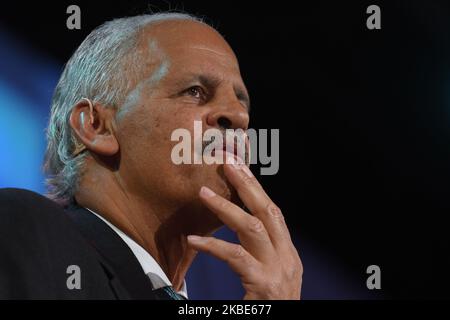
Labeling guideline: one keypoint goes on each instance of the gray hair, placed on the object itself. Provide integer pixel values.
(96, 71)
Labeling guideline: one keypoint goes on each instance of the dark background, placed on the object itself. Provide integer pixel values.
(364, 126)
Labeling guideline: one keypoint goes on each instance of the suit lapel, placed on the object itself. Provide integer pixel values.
(127, 278)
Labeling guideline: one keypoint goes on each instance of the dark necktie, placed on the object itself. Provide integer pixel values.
(163, 292)
(167, 293)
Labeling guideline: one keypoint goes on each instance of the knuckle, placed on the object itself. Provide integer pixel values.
(294, 268)
(297, 260)
(274, 288)
(300, 265)
(238, 251)
(274, 211)
(293, 271)
(248, 181)
(255, 225)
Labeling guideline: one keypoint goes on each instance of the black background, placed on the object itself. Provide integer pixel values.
(363, 116)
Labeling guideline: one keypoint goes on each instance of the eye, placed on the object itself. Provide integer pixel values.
(196, 92)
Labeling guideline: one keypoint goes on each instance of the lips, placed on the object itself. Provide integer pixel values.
(232, 152)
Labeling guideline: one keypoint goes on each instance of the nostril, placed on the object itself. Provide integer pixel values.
(224, 123)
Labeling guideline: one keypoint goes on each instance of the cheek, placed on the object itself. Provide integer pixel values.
(150, 136)
(177, 118)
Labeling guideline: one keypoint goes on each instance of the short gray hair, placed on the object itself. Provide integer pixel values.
(96, 71)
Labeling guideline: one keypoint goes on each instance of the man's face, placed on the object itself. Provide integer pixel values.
(191, 74)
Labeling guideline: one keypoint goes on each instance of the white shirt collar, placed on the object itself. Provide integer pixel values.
(147, 262)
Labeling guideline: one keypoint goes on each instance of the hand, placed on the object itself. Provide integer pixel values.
(266, 260)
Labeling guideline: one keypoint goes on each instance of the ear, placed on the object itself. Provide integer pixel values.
(93, 126)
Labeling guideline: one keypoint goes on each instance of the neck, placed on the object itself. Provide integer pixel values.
(161, 230)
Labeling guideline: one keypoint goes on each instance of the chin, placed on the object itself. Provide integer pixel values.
(225, 189)
(214, 178)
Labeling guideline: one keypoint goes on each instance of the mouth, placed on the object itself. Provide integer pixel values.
(235, 152)
(230, 154)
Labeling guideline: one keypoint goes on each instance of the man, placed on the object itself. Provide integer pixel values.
(137, 218)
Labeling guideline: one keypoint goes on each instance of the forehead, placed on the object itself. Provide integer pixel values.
(189, 46)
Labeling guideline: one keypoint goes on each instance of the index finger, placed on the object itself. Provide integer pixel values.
(258, 202)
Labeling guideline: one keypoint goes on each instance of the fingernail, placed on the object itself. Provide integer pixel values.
(207, 192)
(247, 170)
(194, 239)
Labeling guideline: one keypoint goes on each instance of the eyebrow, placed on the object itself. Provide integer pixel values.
(211, 81)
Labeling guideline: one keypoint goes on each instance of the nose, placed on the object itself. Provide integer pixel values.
(229, 115)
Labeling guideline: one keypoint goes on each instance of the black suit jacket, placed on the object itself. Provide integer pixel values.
(39, 241)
